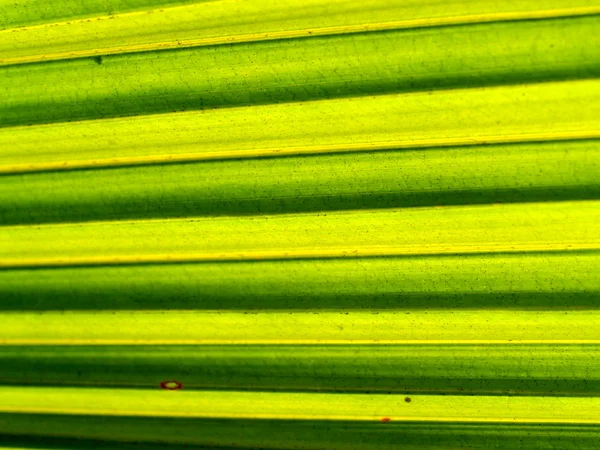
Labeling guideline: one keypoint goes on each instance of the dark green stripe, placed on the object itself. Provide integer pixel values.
(555, 370)
(517, 281)
(305, 435)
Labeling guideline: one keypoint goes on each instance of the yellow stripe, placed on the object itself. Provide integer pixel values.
(141, 342)
(300, 417)
(291, 151)
(290, 388)
(358, 252)
(325, 31)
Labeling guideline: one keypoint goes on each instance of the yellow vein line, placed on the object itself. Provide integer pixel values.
(416, 342)
(325, 31)
(298, 151)
(357, 252)
(299, 417)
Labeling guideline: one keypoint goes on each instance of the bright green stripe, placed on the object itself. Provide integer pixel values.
(301, 406)
(440, 369)
(527, 226)
(503, 173)
(224, 327)
(542, 109)
(518, 281)
(220, 19)
(18, 13)
(300, 69)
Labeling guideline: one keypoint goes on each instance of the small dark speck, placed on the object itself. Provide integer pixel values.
(407, 399)
(98, 59)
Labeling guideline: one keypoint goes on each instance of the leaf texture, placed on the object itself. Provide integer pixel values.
(299, 224)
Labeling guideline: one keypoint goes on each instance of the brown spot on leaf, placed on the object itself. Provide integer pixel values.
(171, 385)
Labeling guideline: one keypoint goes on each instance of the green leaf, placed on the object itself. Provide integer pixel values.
(299, 224)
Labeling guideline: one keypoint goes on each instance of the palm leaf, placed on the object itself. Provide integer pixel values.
(316, 224)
